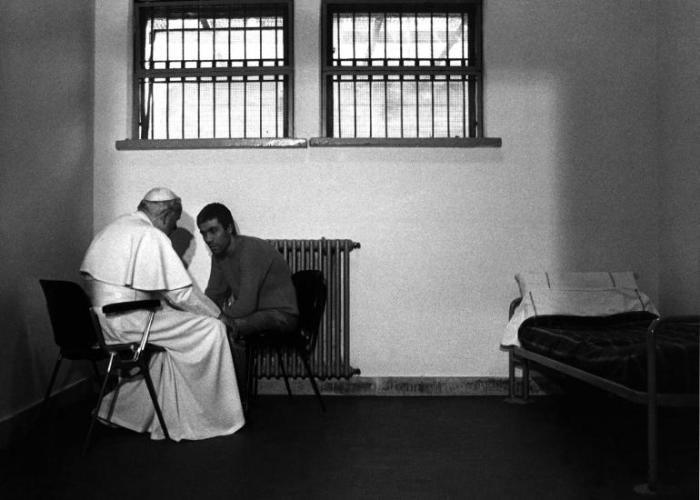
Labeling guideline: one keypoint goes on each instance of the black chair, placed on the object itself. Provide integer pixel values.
(310, 288)
(79, 336)
(73, 330)
(127, 360)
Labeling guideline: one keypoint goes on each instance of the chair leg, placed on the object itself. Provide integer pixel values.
(250, 375)
(284, 372)
(99, 403)
(47, 396)
(312, 379)
(154, 398)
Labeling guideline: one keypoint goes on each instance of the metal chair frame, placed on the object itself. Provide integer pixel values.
(311, 292)
(127, 357)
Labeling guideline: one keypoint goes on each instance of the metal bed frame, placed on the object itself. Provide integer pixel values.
(518, 356)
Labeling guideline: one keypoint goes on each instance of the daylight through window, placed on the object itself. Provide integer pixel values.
(402, 69)
(212, 69)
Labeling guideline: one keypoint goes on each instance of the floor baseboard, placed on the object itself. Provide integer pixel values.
(398, 386)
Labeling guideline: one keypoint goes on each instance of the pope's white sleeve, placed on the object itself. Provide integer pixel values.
(191, 299)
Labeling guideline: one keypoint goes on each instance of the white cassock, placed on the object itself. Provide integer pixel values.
(194, 378)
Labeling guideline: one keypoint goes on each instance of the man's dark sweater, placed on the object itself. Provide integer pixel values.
(252, 285)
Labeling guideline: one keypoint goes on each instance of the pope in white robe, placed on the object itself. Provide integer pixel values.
(194, 379)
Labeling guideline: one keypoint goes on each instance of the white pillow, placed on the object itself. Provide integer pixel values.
(575, 294)
(574, 281)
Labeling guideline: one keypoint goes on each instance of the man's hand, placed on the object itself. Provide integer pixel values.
(231, 326)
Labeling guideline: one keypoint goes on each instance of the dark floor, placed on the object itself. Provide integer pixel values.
(369, 448)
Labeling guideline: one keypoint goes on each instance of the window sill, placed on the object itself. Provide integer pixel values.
(144, 144)
(442, 142)
(317, 142)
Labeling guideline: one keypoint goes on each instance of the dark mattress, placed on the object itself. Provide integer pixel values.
(614, 347)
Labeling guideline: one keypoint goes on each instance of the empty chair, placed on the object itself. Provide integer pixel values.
(73, 330)
(310, 288)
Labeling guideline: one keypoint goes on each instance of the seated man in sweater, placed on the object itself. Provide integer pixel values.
(250, 281)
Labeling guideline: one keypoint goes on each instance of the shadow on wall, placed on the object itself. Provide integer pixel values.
(183, 239)
(34, 350)
(589, 152)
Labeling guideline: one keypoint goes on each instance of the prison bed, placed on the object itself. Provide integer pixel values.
(600, 329)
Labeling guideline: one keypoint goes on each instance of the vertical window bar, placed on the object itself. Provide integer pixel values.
(369, 60)
(386, 49)
(354, 56)
(354, 79)
(415, 78)
(167, 80)
(260, 37)
(245, 77)
(432, 77)
(432, 41)
(182, 78)
(464, 61)
(447, 39)
(245, 35)
(245, 105)
(401, 101)
(415, 23)
(447, 90)
(277, 104)
(149, 109)
(260, 78)
(447, 61)
(386, 91)
(199, 65)
(464, 107)
(401, 42)
(228, 80)
(337, 33)
(340, 127)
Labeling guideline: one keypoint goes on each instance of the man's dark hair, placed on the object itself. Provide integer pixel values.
(219, 212)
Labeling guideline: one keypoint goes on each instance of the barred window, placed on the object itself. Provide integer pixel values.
(212, 69)
(402, 69)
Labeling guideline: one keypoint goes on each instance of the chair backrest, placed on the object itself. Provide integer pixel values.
(311, 292)
(69, 312)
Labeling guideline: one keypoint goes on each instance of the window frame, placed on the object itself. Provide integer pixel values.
(139, 74)
(475, 125)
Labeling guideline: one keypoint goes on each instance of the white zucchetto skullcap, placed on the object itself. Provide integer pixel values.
(160, 194)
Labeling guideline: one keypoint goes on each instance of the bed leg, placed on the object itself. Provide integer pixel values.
(511, 376)
(512, 397)
(651, 486)
(526, 380)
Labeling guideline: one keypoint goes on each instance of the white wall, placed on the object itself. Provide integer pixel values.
(570, 88)
(46, 55)
(680, 156)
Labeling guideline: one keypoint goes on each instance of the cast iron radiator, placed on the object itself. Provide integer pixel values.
(331, 358)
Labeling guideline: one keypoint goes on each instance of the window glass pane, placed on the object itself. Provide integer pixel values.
(207, 46)
(237, 107)
(206, 109)
(426, 96)
(378, 109)
(393, 36)
(346, 103)
(393, 111)
(253, 105)
(221, 96)
(362, 106)
(191, 110)
(410, 117)
(175, 108)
